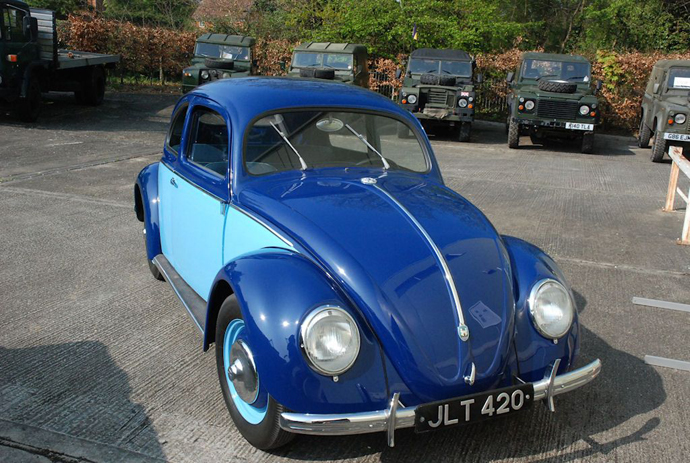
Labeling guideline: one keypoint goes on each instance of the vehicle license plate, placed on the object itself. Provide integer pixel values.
(578, 126)
(677, 136)
(473, 408)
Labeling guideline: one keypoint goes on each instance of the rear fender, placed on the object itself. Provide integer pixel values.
(146, 202)
(535, 352)
(276, 290)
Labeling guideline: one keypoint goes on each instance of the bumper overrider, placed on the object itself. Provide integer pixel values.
(396, 416)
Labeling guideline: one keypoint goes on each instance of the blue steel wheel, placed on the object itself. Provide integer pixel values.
(255, 413)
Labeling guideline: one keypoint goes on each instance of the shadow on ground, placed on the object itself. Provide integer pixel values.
(74, 389)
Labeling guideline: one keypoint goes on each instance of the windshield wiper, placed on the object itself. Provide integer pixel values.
(301, 160)
(386, 166)
(547, 75)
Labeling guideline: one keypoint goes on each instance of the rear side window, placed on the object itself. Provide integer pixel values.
(13, 27)
(175, 134)
(208, 143)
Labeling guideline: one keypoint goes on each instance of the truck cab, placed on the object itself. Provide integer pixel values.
(219, 56)
(666, 108)
(439, 89)
(552, 95)
(343, 62)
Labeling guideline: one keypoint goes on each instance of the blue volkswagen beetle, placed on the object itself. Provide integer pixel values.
(306, 228)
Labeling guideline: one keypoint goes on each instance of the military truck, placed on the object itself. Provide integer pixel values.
(344, 62)
(666, 108)
(438, 88)
(30, 62)
(553, 95)
(219, 56)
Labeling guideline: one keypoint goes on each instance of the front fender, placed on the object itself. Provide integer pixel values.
(534, 352)
(276, 290)
(147, 209)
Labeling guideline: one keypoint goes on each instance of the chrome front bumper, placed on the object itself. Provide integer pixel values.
(397, 417)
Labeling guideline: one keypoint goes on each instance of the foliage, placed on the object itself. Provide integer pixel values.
(166, 13)
(61, 7)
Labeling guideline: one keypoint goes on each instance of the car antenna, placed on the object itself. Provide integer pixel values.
(301, 159)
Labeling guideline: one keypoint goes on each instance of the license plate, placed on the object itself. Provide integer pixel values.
(676, 136)
(473, 408)
(578, 126)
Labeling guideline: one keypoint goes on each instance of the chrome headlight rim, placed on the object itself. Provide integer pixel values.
(462, 103)
(204, 75)
(584, 110)
(412, 98)
(536, 288)
(529, 105)
(679, 118)
(308, 323)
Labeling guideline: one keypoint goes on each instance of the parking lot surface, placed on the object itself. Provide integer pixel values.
(100, 362)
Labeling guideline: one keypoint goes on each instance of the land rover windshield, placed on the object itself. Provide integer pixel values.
(212, 50)
(445, 67)
(556, 70)
(679, 78)
(339, 61)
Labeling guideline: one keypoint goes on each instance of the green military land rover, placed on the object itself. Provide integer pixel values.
(552, 95)
(344, 62)
(666, 108)
(438, 89)
(219, 56)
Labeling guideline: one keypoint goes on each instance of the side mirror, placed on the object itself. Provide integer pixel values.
(398, 73)
(33, 26)
(510, 76)
(479, 78)
(26, 27)
(255, 63)
(282, 65)
(657, 87)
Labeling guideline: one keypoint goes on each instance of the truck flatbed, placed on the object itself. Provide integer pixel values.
(67, 59)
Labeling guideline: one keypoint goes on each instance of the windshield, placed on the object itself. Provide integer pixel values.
(434, 66)
(300, 140)
(679, 78)
(212, 50)
(328, 60)
(563, 70)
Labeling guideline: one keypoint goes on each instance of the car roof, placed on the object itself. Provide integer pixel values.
(332, 47)
(434, 53)
(554, 57)
(225, 39)
(668, 63)
(245, 98)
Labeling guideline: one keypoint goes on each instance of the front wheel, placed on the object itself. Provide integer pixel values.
(588, 142)
(659, 148)
(255, 413)
(29, 107)
(464, 131)
(644, 135)
(513, 135)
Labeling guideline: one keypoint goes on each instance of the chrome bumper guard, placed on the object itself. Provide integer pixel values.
(397, 416)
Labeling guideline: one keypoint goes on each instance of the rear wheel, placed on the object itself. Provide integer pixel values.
(588, 142)
(464, 131)
(255, 413)
(152, 267)
(93, 88)
(659, 148)
(644, 135)
(513, 134)
(29, 107)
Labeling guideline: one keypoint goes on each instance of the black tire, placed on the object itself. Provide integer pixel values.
(588, 142)
(267, 434)
(464, 131)
(658, 148)
(93, 88)
(535, 140)
(29, 107)
(644, 134)
(447, 81)
(429, 79)
(307, 72)
(513, 135)
(216, 63)
(328, 74)
(152, 267)
(556, 86)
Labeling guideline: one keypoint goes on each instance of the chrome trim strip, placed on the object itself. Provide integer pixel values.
(262, 222)
(184, 292)
(381, 420)
(463, 330)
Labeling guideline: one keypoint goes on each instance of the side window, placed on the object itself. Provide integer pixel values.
(13, 24)
(175, 134)
(208, 141)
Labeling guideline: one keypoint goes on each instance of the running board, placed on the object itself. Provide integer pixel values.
(195, 305)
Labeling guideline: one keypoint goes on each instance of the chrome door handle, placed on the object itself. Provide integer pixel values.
(172, 182)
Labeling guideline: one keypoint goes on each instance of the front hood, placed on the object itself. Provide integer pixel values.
(534, 90)
(679, 102)
(389, 268)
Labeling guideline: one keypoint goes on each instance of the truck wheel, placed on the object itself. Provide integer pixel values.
(658, 148)
(557, 86)
(464, 131)
(29, 107)
(644, 135)
(588, 142)
(255, 413)
(513, 135)
(93, 88)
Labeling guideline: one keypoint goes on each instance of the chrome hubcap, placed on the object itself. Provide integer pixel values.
(242, 372)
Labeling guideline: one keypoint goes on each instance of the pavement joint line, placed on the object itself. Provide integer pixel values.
(67, 196)
(625, 267)
(661, 304)
(60, 170)
(667, 363)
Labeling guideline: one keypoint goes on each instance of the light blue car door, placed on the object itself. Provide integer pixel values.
(199, 185)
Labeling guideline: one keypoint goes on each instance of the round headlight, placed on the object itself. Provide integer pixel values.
(412, 99)
(462, 103)
(204, 75)
(584, 110)
(529, 105)
(330, 339)
(551, 309)
(680, 118)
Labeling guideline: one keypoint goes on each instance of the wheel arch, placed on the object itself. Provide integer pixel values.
(146, 202)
